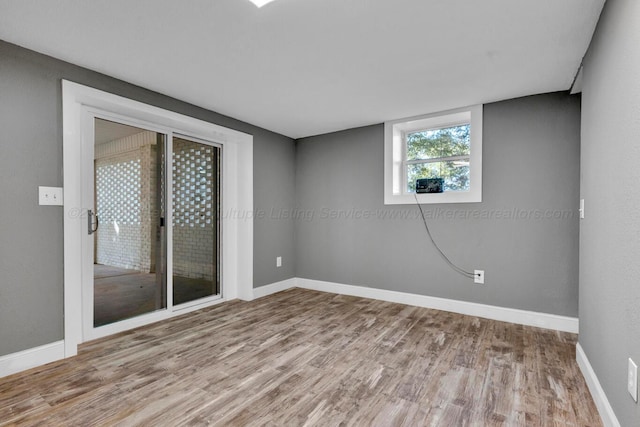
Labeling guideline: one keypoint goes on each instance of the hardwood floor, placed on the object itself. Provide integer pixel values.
(302, 357)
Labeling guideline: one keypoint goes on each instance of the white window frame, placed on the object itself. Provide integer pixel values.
(395, 162)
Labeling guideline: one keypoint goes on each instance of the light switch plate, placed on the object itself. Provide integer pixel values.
(50, 196)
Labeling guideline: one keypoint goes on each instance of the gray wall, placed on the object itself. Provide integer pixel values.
(610, 232)
(31, 246)
(531, 164)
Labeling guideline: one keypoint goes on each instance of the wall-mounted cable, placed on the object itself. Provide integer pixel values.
(448, 261)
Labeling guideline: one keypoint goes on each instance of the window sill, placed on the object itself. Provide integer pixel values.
(433, 198)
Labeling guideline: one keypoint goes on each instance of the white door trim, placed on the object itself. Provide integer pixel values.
(237, 253)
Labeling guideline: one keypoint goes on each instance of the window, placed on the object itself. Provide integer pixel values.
(444, 145)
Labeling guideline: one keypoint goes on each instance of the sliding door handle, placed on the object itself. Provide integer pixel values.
(90, 227)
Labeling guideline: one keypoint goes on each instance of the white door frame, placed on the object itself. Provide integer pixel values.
(79, 104)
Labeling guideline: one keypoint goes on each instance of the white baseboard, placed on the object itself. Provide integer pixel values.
(30, 358)
(609, 418)
(521, 317)
(263, 291)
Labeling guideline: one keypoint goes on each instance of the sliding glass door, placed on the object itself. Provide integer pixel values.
(133, 244)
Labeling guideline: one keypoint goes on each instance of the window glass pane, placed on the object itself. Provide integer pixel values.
(436, 143)
(196, 204)
(454, 173)
(129, 271)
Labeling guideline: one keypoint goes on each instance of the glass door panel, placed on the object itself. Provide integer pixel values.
(196, 221)
(129, 246)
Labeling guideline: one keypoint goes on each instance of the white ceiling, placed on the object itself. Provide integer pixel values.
(306, 67)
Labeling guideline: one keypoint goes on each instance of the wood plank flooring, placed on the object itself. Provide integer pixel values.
(302, 357)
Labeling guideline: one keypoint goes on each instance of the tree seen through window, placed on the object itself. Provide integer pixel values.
(439, 153)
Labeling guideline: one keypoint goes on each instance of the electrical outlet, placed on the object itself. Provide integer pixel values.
(478, 276)
(279, 261)
(51, 196)
(632, 380)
